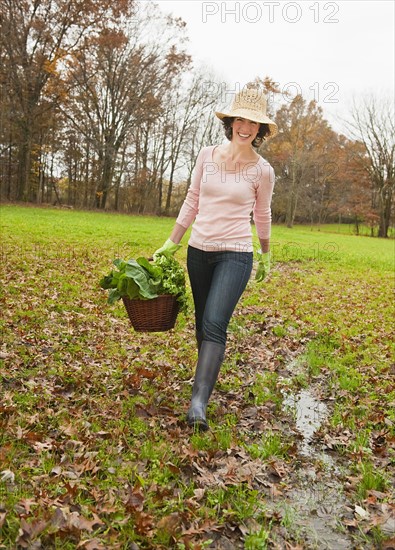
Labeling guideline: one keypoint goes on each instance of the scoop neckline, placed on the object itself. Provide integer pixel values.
(234, 171)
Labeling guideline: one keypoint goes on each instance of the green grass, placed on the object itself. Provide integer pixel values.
(93, 414)
(301, 243)
(258, 540)
(347, 229)
(265, 388)
(370, 478)
(270, 445)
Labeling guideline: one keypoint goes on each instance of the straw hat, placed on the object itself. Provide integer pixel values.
(250, 104)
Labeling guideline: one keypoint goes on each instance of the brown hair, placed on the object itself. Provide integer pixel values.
(263, 131)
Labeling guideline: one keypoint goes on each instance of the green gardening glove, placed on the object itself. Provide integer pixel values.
(263, 266)
(169, 248)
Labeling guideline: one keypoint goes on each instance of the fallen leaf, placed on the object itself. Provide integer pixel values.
(143, 523)
(28, 531)
(83, 524)
(359, 511)
(3, 514)
(92, 544)
(135, 500)
(171, 524)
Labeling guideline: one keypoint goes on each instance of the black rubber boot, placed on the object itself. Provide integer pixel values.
(209, 362)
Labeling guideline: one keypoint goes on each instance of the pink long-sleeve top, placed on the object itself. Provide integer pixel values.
(220, 204)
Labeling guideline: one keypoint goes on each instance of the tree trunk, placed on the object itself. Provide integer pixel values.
(290, 213)
(293, 196)
(169, 190)
(385, 203)
(110, 154)
(118, 180)
(40, 190)
(161, 175)
(24, 165)
(9, 182)
(70, 182)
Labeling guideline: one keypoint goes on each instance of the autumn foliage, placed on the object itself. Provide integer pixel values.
(102, 107)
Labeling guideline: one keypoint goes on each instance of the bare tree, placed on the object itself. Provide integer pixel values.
(35, 39)
(205, 129)
(192, 117)
(372, 123)
(118, 82)
(169, 145)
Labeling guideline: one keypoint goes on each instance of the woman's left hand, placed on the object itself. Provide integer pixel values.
(263, 268)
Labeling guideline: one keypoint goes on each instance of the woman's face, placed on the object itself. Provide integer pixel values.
(244, 130)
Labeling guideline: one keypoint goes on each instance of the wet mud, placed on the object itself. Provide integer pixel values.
(316, 498)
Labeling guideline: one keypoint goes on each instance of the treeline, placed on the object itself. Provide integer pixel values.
(102, 107)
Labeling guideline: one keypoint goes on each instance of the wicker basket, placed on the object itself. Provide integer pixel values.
(156, 315)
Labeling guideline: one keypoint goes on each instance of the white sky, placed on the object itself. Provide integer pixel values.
(331, 51)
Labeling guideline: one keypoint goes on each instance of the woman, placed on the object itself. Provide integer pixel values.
(229, 182)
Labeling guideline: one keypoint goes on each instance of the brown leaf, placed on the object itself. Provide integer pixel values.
(92, 544)
(83, 524)
(29, 531)
(350, 522)
(277, 468)
(170, 524)
(71, 488)
(58, 520)
(173, 468)
(63, 519)
(143, 523)
(199, 494)
(274, 491)
(377, 494)
(146, 373)
(207, 526)
(56, 470)
(27, 503)
(135, 500)
(3, 514)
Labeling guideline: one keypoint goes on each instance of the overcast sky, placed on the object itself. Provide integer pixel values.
(331, 51)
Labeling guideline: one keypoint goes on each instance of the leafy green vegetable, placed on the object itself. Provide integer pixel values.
(145, 280)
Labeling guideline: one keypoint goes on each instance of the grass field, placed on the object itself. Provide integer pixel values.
(95, 452)
(348, 229)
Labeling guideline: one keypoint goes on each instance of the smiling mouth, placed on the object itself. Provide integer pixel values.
(244, 135)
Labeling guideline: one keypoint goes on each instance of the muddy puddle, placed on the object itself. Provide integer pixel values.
(310, 414)
(316, 497)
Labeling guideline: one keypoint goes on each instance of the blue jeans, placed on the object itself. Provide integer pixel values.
(218, 280)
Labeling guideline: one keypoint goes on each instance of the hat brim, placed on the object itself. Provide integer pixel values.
(250, 115)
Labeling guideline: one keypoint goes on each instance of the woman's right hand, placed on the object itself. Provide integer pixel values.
(169, 248)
